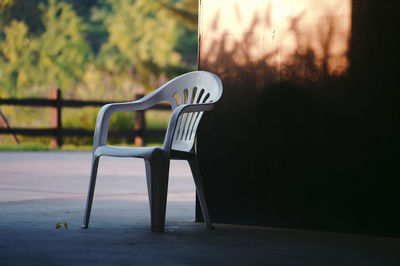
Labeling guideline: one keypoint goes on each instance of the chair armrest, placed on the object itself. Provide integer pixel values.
(184, 108)
(104, 114)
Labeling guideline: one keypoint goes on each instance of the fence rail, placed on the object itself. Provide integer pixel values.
(139, 133)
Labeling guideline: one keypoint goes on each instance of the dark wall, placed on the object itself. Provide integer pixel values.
(317, 151)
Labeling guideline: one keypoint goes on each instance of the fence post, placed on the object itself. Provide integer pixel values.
(56, 141)
(140, 125)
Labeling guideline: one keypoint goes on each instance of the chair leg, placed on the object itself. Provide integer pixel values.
(157, 172)
(92, 184)
(194, 166)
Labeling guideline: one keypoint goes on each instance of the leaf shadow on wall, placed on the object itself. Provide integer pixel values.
(297, 145)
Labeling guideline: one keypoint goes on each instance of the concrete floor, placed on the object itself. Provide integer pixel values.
(38, 190)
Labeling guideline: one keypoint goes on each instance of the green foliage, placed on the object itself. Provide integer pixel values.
(92, 49)
(62, 49)
(123, 44)
(184, 11)
(156, 119)
(21, 10)
(15, 61)
(142, 40)
(54, 58)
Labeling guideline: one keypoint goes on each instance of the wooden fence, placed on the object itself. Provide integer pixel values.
(139, 133)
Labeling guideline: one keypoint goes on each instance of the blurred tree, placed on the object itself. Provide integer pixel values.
(142, 41)
(184, 11)
(62, 49)
(21, 10)
(15, 58)
(92, 49)
(133, 41)
(56, 57)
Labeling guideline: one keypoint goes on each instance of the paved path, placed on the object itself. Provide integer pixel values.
(49, 187)
(55, 175)
(40, 189)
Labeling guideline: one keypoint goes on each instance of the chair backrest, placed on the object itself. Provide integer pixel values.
(190, 88)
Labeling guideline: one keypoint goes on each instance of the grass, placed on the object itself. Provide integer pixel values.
(29, 146)
(25, 147)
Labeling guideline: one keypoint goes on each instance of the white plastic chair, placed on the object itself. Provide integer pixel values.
(189, 95)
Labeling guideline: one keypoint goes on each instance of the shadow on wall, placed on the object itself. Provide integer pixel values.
(307, 134)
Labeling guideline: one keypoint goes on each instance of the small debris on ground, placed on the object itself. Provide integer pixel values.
(60, 225)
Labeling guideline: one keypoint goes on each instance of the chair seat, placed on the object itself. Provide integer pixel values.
(114, 151)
